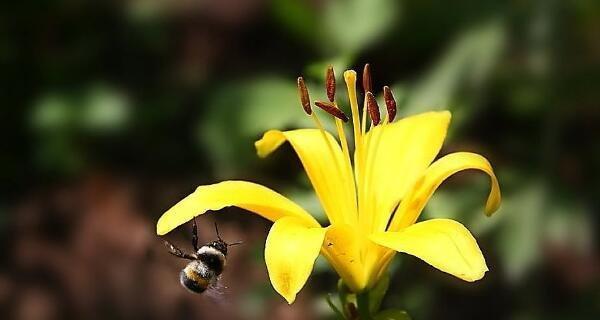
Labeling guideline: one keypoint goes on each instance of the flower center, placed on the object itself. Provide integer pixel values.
(365, 141)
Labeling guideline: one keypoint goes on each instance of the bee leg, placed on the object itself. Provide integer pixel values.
(178, 252)
(195, 236)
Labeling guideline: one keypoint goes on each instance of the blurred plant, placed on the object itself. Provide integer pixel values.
(346, 27)
(372, 202)
(61, 120)
(250, 107)
(466, 64)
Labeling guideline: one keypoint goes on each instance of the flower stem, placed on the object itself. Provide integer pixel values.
(362, 302)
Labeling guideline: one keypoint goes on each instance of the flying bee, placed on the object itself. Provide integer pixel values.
(207, 262)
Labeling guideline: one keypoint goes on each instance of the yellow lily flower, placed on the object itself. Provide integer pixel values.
(372, 199)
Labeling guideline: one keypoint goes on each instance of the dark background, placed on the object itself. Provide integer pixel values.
(111, 111)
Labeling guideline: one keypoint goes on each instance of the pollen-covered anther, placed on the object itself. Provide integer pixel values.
(330, 84)
(366, 78)
(304, 98)
(332, 110)
(373, 108)
(390, 103)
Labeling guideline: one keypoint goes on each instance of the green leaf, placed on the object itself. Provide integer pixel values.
(465, 65)
(297, 17)
(335, 308)
(392, 314)
(352, 25)
(520, 238)
(347, 299)
(248, 108)
(378, 292)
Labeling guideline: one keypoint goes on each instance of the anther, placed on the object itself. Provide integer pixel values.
(373, 108)
(304, 98)
(390, 103)
(332, 110)
(366, 78)
(330, 84)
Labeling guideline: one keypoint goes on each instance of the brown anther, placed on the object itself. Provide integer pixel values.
(390, 103)
(304, 98)
(332, 110)
(330, 84)
(373, 108)
(366, 78)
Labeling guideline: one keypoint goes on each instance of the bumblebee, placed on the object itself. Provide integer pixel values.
(207, 262)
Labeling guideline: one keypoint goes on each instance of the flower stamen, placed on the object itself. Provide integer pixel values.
(366, 82)
(330, 84)
(330, 87)
(305, 102)
(332, 109)
(390, 103)
(332, 215)
(373, 108)
(366, 78)
(304, 98)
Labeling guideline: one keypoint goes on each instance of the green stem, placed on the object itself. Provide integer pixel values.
(335, 309)
(362, 301)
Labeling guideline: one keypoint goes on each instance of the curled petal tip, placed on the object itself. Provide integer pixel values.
(289, 272)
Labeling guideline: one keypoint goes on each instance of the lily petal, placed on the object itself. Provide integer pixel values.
(411, 206)
(397, 156)
(443, 243)
(290, 253)
(324, 164)
(342, 249)
(246, 195)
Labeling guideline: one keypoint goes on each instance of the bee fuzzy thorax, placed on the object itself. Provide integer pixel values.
(212, 258)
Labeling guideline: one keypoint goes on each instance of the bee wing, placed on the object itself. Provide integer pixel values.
(217, 292)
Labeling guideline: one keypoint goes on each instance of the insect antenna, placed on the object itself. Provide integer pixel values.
(219, 237)
(217, 231)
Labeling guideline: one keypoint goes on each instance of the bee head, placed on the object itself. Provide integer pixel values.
(219, 245)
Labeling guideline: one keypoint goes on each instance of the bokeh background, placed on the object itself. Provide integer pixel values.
(111, 111)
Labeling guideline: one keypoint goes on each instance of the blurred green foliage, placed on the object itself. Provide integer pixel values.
(163, 89)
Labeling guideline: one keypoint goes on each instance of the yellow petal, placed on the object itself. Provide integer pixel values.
(443, 243)
(242, 194)
(398, 154)
(290, 253)
(324, 164)
(342, 249)
(412, 205)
